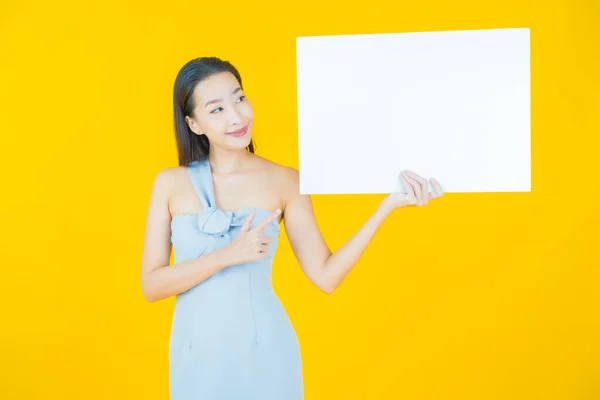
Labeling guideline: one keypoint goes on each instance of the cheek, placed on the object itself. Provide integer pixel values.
(213, 127)
(248, 111)
(216, 123)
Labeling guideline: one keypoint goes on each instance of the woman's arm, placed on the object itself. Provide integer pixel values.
(325, 269)
(159, 279)
(165, 281)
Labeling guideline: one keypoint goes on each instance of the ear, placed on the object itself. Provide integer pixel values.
(192, 125)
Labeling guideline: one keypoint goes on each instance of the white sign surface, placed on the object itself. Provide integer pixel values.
(454, 105)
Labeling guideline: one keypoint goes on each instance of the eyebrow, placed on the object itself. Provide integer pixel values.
(220, 99)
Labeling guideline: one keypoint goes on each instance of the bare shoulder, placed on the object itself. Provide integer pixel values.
(166, 184)
(282, 175)
(165, 179)
(290, 178)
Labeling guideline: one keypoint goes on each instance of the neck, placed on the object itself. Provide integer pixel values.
(226, 161)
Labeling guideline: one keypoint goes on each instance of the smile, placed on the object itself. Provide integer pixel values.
(239, 132)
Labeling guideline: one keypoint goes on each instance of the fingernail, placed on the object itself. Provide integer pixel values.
(278, 211)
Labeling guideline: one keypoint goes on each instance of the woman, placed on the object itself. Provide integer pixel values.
(221, 210)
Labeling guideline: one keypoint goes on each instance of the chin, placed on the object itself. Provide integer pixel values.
(239, 143)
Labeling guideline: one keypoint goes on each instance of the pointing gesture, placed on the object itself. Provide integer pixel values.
(262, 225)
(250, 244)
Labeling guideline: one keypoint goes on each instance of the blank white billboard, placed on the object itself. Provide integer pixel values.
(454, 105)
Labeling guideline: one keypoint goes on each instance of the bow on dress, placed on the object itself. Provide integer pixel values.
(215, 223)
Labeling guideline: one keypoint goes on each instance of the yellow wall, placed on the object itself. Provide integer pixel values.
(476, 296)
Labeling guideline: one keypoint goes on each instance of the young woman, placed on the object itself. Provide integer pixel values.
(221, 210)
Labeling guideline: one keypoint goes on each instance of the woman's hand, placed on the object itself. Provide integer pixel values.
(250, 244)
(417, 191)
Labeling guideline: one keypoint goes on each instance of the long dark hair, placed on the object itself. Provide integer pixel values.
(191, 146)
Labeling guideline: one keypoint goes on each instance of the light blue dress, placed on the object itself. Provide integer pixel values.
(231, 338)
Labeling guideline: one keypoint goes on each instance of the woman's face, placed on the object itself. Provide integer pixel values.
(221, 110)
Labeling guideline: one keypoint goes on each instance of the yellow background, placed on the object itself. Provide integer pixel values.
(476, 296)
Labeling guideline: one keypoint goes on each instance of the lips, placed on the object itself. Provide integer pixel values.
(239, 132)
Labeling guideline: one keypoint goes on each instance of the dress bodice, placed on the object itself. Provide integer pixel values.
(195, 234)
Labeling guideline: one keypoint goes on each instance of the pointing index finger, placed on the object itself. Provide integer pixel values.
(264, 223)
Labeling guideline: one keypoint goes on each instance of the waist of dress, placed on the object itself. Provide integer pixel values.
(251, 279)
(236, 298)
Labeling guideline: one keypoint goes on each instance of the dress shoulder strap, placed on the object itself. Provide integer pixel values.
(201, 178)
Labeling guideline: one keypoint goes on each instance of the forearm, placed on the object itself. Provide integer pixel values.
(173, 279)
(340, 263)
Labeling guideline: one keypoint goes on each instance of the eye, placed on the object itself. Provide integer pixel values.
(218, 108)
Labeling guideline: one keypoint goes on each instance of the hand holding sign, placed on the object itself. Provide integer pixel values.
(417, 191)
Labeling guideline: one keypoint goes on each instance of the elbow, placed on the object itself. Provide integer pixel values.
(327, 288)
(148, 297)
(147, 292)
(327, 284)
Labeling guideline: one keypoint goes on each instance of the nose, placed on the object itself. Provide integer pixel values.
(234, 117)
